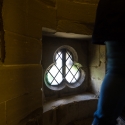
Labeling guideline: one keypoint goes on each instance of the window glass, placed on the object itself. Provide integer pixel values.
(63, 69)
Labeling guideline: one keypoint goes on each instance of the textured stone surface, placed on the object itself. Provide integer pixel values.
(73, 27)
(28, 17)
(21, 49)
(34, 27)
(20, 107)
(18, 80)
(66, 110)
(0, 47)
(94, 57)
(2, 114)
(50, 118)
(14, 16)
(76, 11)
(0, 29)
(97, 64)
(74, 111)
(49, 2)
(96, 77)
(85, 1)
(46, 14)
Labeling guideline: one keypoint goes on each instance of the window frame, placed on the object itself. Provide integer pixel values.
(49, 45)
(65, 83)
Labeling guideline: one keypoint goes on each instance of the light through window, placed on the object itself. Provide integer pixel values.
(63, 68)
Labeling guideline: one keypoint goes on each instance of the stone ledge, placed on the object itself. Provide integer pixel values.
(67, 100)
(69, 109)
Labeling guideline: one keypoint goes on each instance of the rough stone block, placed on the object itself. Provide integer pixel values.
(94, 55)
(49, 117)
(69, 109)
(49, 2)
(14, 16)
(97, 75)
(81, 111)
(75, 111)
(20, 4)
(19, 108)
(73, 27)
(85, 1)
(65, 113)
(22, 50)
(34, 27)
(45, 13)
(76, 11)
(18, 80)
(34, 118)
(2, 114)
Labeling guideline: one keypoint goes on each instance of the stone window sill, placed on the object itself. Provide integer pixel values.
(68, 100)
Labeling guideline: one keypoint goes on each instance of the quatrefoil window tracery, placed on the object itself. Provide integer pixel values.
(64, 70)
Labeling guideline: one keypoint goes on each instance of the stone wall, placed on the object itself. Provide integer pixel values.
(20, 68)
(97, 63)
(1, 32)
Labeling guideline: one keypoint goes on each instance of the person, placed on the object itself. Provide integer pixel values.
(109, 30)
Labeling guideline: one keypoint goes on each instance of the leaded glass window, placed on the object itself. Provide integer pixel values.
(63, 70)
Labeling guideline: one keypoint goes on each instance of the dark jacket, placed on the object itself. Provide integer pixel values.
(110, 21)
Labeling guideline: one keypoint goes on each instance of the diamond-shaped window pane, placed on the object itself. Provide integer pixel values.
(69, 77)
(59, 60)
(74, 70)
(58, 55)
(59, 63)
(63, 69)
(54, 75)
(69, 60)
(77, 75)
(59, 78)
(54, 82)
(73, 74)
(53, 70)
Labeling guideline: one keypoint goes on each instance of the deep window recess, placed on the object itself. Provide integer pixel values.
(53, 56)
(65, 70)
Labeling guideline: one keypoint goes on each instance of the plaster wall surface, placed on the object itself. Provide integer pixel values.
(20, 69)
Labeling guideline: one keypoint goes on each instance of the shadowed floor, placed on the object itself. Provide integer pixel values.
(88, 121)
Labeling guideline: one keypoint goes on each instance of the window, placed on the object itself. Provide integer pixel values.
(65, 70)
(65, 52)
